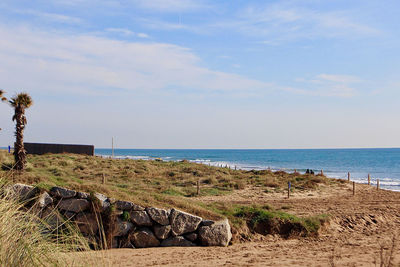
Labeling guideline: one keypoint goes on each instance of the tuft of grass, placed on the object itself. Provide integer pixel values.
(256, 215)
(28, 240)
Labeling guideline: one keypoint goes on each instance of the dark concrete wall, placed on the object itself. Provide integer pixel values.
(40, 149)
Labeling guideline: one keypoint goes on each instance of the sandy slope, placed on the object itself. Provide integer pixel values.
(360, 224)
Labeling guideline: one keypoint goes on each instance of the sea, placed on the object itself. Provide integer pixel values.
(380, 163)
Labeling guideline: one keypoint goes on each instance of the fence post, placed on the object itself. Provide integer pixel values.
(377, 184)
(198, 187)
(104, 179)
(322, 172)
(348, 176)
(369, 179)
(288, 190)
(354, 188)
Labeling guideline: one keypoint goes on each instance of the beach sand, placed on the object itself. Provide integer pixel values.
(359, 226)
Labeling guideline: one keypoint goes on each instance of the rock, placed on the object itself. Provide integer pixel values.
(122, 227)
(182, 222)
(44, 200)
(162, 231)
(159, 215)
(69, 215)
(24, 192)
(217, 234)
(72, 204)
(82, 195)
(177, 241)
(126, 205)
(207, 222)
(191, 237)
(141, 218)
(62, 192)
(87, 223)
(102, 201)
(52, 218)
(144, 238)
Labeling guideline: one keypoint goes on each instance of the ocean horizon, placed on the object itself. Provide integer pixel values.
(380, 163)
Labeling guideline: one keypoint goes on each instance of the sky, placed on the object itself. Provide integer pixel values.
(203, 74)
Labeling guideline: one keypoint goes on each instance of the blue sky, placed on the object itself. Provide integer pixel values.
(204, 74)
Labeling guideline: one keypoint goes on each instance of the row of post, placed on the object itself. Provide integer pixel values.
(369, 182)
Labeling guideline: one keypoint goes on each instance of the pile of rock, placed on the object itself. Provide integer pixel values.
(128, 224)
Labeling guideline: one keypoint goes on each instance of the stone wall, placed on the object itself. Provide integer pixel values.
(122, 224)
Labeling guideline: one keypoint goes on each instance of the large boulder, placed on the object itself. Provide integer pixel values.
(144, 238)
(23, 191)
(162, 231)
(126, 205)
(102, 201)
(62, 192)
(74, 205)
(122, 227)
(217, 234)
(141, 218)
(177, 241)
(182, 222)
(44, 200)
(159, 215)
(88, 223)
(82, 195)
(191, 237)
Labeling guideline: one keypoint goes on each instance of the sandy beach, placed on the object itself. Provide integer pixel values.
(359, 227)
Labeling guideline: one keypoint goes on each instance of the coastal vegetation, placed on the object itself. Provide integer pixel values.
(26, 239)
(166, 184)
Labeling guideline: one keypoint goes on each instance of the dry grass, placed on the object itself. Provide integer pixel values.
(27, 240)
(158, 183)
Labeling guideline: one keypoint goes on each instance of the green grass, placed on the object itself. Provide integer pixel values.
(256, 215)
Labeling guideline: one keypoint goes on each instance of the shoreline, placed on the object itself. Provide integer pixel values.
(386, 183)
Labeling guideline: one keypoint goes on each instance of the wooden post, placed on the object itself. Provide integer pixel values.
(377, 184)
(104, 179)
(112, 147)
(198, 187)
(235, 167)
(348, 176)
(288, 190)
(354, 188)
(322, 172)
(369, 179)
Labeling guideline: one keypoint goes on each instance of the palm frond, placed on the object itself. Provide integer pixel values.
(23, 100)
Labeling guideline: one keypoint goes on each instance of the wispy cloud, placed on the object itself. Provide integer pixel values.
(83, 64)
(326, 85)
(171, 5)
(50, 16)
(288, 20)
(126, 32)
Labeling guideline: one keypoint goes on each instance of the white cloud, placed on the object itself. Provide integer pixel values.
(326, 85)
(171, 5)
(120, 31)
(51, 62)
(288, 20)
(50, 16)
(339, 78)
(143, 35)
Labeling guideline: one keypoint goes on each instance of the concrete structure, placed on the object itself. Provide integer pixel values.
(40, 149)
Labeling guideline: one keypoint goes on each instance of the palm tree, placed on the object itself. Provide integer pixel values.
(20, 102)
(2, 95)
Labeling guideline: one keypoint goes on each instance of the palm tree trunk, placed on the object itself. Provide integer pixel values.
(19, 151)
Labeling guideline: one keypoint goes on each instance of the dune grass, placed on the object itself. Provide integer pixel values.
(28, 240)
(153, 183)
